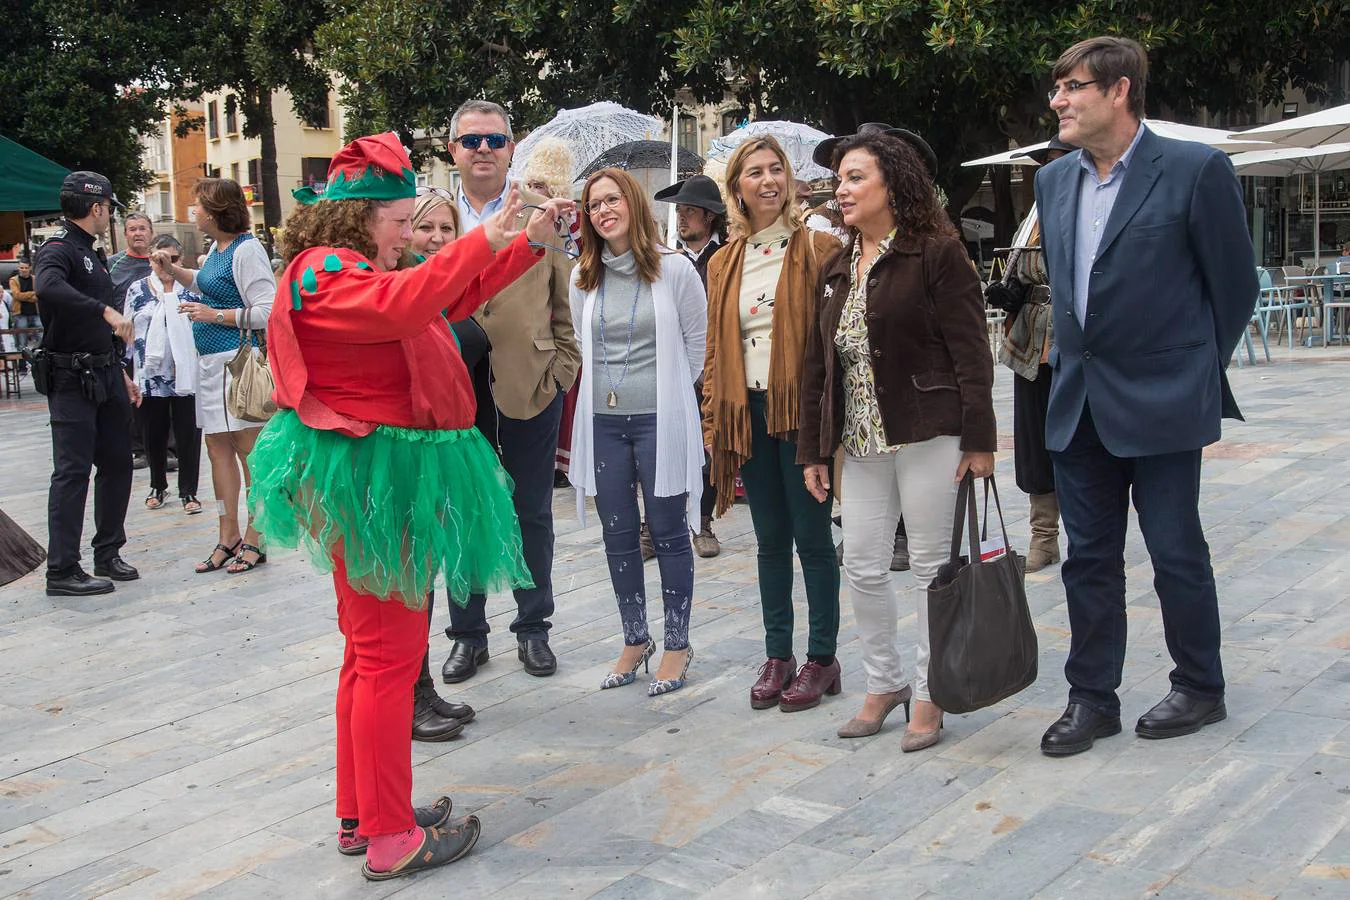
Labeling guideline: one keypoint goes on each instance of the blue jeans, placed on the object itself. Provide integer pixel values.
(625, 456)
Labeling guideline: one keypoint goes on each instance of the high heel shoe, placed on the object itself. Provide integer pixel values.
(619, 679)
(860, 727)
(921, 740)
(661, 686)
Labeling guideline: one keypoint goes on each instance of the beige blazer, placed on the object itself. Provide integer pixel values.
(530, 327)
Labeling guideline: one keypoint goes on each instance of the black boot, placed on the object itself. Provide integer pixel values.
(427, 686)
(429, 724)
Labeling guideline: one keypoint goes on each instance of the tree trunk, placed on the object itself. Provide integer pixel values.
(271, 192)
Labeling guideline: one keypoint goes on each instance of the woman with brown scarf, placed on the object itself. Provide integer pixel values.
(761, 314)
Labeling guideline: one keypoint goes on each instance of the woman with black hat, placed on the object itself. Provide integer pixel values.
(898, 376)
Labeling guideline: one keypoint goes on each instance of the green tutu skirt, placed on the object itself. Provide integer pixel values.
(405, 509)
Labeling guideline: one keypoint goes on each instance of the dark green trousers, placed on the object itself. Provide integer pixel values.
(783, 513)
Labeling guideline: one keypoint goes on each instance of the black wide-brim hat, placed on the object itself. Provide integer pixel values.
(696, 190)
(1039, 154)
(824, 153)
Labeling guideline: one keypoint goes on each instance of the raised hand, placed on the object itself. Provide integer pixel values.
(501, 227)
(548, 224)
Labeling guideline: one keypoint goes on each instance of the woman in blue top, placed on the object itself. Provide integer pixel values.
(166, 369)
(236, 285)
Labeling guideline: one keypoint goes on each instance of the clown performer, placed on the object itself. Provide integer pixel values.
(373, 465)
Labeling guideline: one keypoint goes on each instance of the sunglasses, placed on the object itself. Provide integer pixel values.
(569, 245)
(495, 141)
(174, 258)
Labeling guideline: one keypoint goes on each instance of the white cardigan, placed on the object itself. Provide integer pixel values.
(681, 330)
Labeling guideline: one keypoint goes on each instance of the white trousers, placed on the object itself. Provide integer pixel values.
(917, 482)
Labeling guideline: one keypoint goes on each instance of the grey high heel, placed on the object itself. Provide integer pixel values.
(859, 727)
(921, 740)
(661, 686)
(619, 679)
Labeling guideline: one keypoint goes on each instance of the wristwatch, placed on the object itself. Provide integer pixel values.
(220, 318)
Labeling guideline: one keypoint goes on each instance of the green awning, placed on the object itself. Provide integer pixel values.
(29, 182)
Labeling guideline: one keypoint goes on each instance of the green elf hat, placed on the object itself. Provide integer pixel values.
(369, 168)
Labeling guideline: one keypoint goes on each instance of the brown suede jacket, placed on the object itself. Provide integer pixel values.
(930, 350)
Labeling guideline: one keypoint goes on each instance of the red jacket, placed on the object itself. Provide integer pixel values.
(352, 347)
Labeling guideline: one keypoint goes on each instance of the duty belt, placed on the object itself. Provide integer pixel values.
(80, 361)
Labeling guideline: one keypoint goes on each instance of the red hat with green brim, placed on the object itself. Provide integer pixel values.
(369, 168)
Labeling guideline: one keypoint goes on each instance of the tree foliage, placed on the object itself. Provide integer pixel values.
(82, 80)
(405, 65)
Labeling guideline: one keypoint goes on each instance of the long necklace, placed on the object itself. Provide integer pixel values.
(612, 398)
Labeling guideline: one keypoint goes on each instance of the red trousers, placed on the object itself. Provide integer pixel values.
(383, 657)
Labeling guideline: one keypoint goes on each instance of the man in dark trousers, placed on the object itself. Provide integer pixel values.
(701, 218)
(89, 395)
(1152, 281)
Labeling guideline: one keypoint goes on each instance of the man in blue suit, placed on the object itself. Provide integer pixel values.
(1152, 282)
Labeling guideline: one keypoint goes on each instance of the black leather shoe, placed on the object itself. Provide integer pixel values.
(1076, 730)
(537, 657)
(462, 712)
(428, 725)
(463, 662)
(117, 569)
(1178, 714)
(77, 585)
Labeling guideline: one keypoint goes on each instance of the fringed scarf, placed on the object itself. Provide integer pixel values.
(726, 402)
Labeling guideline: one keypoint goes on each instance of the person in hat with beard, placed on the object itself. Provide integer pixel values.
(701, 218)
(89, 395)
(1024, 294)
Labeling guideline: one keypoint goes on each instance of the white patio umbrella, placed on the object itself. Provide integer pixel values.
(1214, 137)
(588, 131)
(798, 142)
(1287, 161)
(1312, 130)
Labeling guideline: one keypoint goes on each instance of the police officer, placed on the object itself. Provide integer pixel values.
(79, 368)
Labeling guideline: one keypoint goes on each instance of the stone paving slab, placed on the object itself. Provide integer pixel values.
(174, 739)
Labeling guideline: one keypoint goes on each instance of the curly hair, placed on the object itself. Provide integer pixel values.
(329, 223)
(913, 197)
(551, 164)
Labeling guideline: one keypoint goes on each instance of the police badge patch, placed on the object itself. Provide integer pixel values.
(88, 264)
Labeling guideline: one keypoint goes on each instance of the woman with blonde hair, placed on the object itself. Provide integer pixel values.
(435, 222)
(640, 316)
(761, 316)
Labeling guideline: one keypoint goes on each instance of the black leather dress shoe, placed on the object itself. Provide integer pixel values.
(428, 724)
(117, 569)
(1178, 714)
(463, 662)
(78, 584)
(1076, 730)
(463, 712)
(537, 657)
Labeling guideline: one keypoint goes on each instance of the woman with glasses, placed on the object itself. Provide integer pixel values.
(166, 367)
(640, 316)
(236, 286)
(761, 312)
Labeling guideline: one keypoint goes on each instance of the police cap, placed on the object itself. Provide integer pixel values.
(89, 184)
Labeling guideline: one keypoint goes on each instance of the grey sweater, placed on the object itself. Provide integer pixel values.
(636, 390)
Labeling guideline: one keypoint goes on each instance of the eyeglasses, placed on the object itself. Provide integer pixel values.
(423, 190)
(175, 258)
(610, 202)
(1068, 87)
(560, 228)
(495, 141)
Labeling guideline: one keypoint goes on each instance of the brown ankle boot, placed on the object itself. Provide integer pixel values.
(1044, 550)
(705, 542)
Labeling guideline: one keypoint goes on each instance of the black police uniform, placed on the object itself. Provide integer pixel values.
(87, 398)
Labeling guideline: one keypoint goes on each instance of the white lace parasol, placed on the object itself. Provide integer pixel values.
(588, 132)
(798, 141)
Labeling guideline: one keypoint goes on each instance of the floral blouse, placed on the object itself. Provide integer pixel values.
(864, 433)
(142, 304)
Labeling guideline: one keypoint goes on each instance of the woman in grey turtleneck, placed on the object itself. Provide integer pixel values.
(640, 315)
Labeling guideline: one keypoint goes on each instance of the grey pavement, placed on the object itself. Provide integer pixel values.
(175, 739)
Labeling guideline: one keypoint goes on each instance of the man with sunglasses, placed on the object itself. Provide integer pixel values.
(534, 362)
